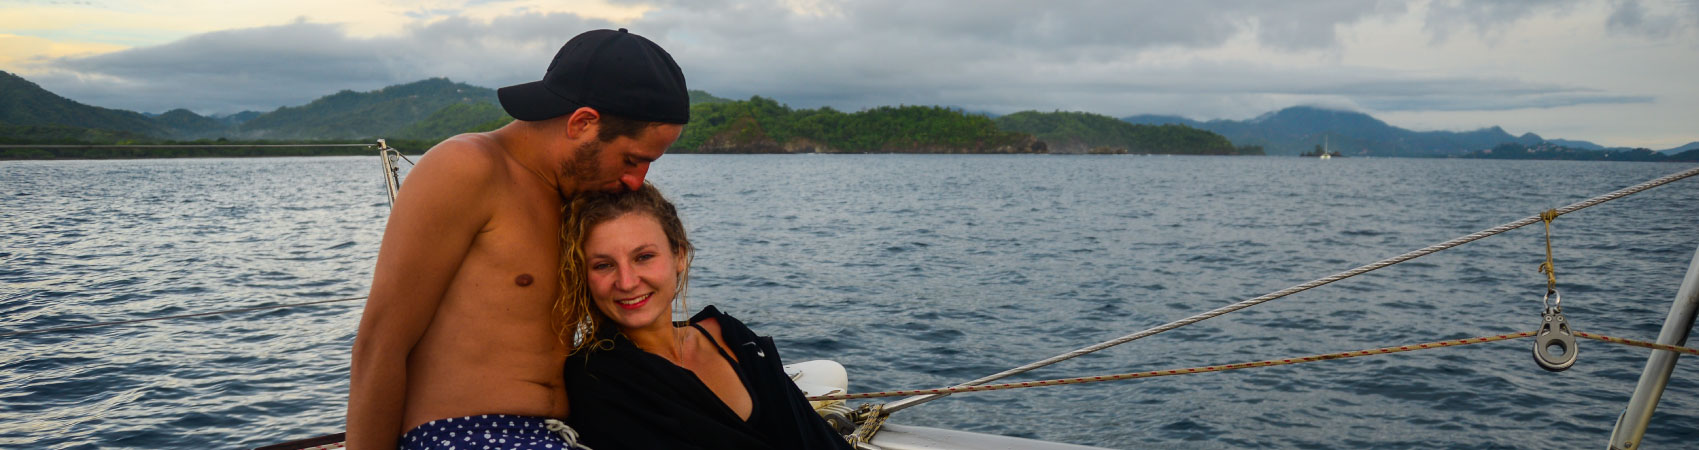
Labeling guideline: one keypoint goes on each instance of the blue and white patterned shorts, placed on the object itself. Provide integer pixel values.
(492, 432)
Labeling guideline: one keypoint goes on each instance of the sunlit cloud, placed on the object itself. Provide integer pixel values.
(25, 51)
(1452, 64)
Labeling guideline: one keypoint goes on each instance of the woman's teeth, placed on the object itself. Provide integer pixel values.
(634, 300)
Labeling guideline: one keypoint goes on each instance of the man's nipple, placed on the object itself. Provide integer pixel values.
(522, 280)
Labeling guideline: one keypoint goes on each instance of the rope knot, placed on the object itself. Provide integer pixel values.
(1548, 267)
(566, 433)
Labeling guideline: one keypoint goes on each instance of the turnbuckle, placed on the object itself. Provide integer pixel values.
(1554, 344)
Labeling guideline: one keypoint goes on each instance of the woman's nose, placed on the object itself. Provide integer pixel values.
(627, 279)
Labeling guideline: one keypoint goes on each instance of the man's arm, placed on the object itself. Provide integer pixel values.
(437, 214)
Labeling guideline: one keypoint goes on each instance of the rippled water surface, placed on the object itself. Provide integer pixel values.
(914, 271)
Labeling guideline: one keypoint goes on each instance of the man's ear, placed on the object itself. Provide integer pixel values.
(583, 123)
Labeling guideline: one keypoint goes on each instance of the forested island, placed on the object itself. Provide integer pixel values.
(761, 125)
(1082, 132)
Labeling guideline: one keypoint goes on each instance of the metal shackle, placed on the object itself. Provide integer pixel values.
(1554, 332)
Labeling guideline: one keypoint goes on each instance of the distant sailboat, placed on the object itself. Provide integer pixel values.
(1324, 152)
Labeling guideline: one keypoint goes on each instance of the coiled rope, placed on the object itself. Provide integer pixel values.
(908, 402)
(1237, 366)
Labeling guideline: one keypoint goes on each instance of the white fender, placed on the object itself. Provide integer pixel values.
(819, 377)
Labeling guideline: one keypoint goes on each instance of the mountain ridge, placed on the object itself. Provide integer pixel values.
(1681, 149)
(24, 103)
(1298, 129)
(358, 115)
(422, 110)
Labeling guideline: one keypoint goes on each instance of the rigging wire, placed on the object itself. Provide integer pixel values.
(912, 401)
(1185, 371)
(1237, 366)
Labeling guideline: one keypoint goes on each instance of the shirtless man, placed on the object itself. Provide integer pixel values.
(457, 335)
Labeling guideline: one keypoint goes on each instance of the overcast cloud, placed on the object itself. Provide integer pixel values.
(1416, 61)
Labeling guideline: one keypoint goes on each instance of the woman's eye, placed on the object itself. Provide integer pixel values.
(600, 266)
(645, 256)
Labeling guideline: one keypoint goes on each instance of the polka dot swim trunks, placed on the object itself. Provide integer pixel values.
(492, 432)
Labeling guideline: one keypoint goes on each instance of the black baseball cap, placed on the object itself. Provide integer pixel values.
(615, 72)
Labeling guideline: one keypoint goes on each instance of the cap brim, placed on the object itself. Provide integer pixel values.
(533, 101)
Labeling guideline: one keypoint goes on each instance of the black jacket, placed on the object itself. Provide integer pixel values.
(625, 398)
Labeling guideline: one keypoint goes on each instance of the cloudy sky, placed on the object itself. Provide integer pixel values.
(1616, 72)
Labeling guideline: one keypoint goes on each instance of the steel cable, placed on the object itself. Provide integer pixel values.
(1237, 366)
(908, 402)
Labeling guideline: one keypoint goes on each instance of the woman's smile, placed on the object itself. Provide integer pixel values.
(635, 302)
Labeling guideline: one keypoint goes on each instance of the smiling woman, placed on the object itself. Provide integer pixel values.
(637, 379)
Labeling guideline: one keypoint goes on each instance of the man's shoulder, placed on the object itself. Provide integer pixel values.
(468, 158)
(470, 150)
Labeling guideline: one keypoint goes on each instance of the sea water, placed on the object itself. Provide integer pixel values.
(914, 271)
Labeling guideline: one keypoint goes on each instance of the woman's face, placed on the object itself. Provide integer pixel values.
(634, 272)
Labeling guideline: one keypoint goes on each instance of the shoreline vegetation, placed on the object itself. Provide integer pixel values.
(718, 126)
(761, 125)
(259, 149)
(744, 135)
(36, 124)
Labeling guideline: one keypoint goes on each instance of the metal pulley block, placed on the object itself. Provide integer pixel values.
(1554, 343)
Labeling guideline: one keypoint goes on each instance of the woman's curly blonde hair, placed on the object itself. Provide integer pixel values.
(578, 318)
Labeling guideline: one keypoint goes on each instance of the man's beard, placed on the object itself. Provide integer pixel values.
(582, 167)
